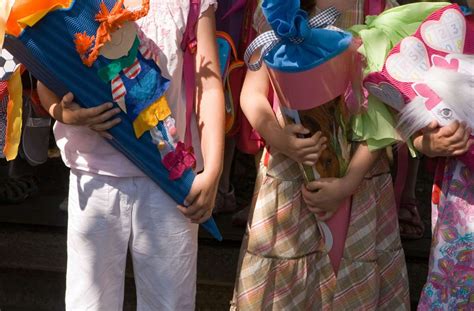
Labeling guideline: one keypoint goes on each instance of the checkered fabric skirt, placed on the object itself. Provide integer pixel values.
(284, 264)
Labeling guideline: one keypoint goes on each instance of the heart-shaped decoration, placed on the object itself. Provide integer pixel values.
(447, 34)
(387, 93)
(411, 63)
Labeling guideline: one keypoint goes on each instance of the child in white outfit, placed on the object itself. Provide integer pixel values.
(113, 206)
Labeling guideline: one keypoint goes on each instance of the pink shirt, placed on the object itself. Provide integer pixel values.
(83, 149)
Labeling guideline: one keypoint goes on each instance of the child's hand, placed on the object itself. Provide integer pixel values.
(201, 199)
(301, 150)
(447, 141)
(97, 118)
(324, 196)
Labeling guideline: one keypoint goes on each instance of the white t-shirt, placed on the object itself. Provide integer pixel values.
(163, 27)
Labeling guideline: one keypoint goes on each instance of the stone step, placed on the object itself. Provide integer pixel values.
(33, 290)
(33, 264)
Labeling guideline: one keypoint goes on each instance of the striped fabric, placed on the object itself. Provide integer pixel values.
(284, 264)
(131, 72)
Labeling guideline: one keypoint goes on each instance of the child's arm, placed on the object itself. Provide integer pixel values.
(257, 109)
(448, 141)
(210, 118)
(323, 197)
(66, 111)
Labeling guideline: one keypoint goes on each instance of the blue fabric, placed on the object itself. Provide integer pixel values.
(48, 50)
(145, 89)
(290, 22)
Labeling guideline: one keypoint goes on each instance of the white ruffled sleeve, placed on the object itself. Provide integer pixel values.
(205, 4)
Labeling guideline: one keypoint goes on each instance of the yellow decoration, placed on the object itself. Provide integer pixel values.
(5, 8)
(29, 12)
(14, 117)
(149, 118)
(161, 145)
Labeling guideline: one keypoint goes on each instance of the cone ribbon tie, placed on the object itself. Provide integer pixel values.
(270, 39)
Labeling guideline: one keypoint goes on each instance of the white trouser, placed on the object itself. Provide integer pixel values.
(108, 215)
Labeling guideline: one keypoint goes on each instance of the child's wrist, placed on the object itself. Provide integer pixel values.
(350, 184)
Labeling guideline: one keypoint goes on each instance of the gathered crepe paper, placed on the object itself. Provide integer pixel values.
(309, 63)
(14, 116)
(92, 49)
(377, 126)
(5, 9)
(431, 74)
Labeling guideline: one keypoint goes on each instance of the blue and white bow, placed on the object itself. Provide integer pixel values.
(295, 42)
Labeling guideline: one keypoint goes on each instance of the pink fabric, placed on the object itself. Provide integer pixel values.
(188, 45)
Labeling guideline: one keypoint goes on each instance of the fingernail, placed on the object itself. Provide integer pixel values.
(116, 110)
(185, 203)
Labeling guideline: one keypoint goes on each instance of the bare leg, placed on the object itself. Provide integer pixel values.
(411, 224)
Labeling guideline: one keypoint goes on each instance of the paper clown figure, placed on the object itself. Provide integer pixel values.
(430, 75)
(91, 48)
(135, 81)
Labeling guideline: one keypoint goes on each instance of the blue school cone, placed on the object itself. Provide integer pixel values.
(58, 66)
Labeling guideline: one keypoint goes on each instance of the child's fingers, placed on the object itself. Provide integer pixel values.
(191, 214)
(103, 117)
(324, 216)
(311, 198)
(296, 129)
(319, 212)
(101, 127)
(96, 111)
(67, 99)
(206, 215)
(432, 126)
(312, 142)
(450, 129)
(106, 135)
(463, 149)
(459, 135)
(314, 186)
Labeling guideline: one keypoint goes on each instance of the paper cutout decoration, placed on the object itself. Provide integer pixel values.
(444, 32)
(8, 65)
(433, 71)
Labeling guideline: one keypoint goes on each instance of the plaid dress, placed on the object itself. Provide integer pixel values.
(284, 263)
